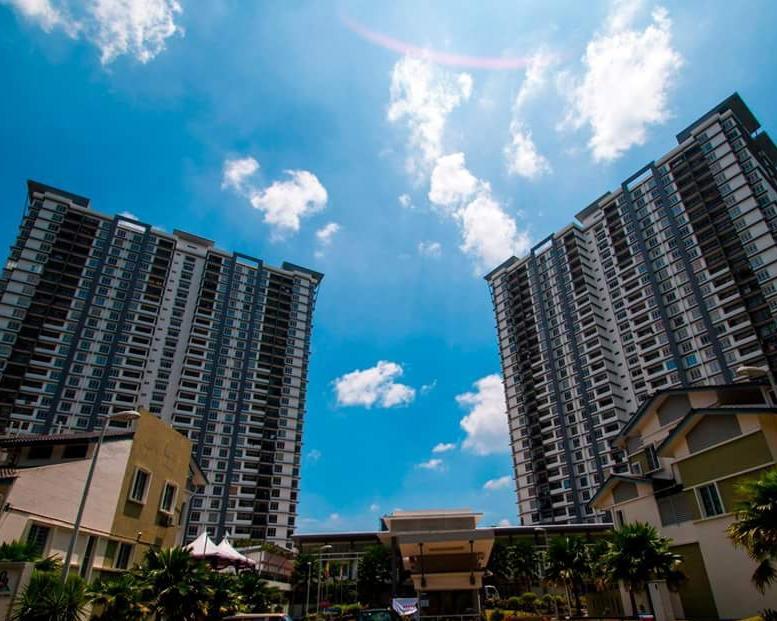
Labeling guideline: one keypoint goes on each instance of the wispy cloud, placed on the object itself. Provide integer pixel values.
(497, 484)
(137, 28)
(376, 386)
(443, 447)
(431, 464)
(431, 249)
(314, 455)
(422, 97)
(523, 157)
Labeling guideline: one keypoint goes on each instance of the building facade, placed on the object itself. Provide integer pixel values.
(441, 557)
(669, 280)
(139, 497)
(102, 313)
(688, 451)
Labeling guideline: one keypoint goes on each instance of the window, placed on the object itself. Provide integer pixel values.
(139, 487)
(169, 494)
(709, 499)
(37, 537)
(124, 556)
(75, 451)
(39, 452)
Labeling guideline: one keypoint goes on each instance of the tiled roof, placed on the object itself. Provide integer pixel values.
(63, 438)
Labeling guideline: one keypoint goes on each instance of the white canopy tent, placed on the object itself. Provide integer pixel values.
(221, 555)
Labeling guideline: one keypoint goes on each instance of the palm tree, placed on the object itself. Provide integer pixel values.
(256, 594)
(524, 561)
(225, 599)
(567, 565)
(755, 528)
(46, 598)
(636, 555)
(120, 598)
(175, 584)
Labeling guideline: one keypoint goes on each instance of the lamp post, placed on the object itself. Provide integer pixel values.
(758, 373)
(307, 595)
(126, 416)
(326, 547)
(540, 529)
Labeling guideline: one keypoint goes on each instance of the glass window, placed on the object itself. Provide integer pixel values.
(124, 556)
(37, 537)
(710, 500)
(169, 494)
(139, 488)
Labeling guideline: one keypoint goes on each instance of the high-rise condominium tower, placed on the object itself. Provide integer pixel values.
(669, 280)
(100, 314)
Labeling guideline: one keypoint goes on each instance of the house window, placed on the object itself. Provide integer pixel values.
(140, 484)
(619, 518)
(39, 452)
(652, 458)
(169, 494)
(75, 451)
(709, 499)
(37, 537)
(124, 556)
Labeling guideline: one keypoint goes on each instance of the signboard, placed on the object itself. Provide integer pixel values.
(8, 579)
(405, 606)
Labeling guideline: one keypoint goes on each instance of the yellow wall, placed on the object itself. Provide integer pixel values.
(166, 454)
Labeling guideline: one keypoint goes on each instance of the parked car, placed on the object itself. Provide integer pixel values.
(377, 614)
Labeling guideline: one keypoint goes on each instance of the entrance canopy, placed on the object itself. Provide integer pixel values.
(442, 550)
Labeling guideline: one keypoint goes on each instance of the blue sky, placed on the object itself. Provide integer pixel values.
(401, 148)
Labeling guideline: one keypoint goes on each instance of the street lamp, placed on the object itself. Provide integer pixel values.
(540, 529)
(321, 550)
(126, 416)
(759, 373)
(307, 595)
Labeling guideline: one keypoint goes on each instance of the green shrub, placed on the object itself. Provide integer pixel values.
(514, 604)
(529, 601)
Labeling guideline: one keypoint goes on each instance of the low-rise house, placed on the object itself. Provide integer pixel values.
(688, 450)
(139, 495)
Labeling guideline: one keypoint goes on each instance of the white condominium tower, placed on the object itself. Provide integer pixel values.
(669, 280)
(103, 313)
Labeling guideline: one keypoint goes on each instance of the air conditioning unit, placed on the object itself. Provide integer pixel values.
(166, 520)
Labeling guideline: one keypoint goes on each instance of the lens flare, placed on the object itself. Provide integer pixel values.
(499, 63)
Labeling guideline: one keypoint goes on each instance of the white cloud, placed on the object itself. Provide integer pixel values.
(431, 464)
(374, 386)
(486, 422)
(489, 234)
(136, 27)
(327, 232)
(314, 455)
(422, 96)
(129, 215)
(405, 201)
(628, 73)
(284, 203)
(237, 172)
(521, 153)
(334, 517)
(497, 484)
(427, 388)
(374, 507)
(139, 28)
(452, 183)
(504, 522)
(45, 14)
(523, 158)
(429, 249)
(443, 447)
